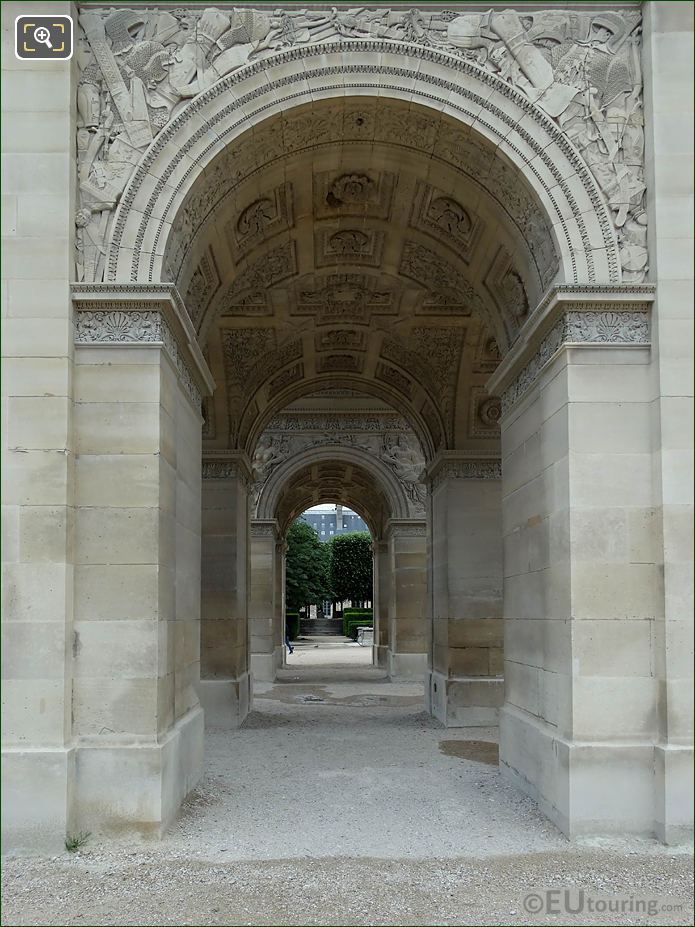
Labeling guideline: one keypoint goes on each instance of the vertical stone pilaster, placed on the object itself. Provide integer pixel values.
(279, 603)
(581, 586)
(225, 691)
(667, 52)
(465, 685)
(381, 604)
(266, 561)
(137, 721)
(408, 643)
(37, 443)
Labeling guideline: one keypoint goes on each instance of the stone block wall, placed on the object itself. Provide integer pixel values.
(38, 187)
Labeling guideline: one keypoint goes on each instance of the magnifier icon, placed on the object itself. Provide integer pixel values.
(42, 35)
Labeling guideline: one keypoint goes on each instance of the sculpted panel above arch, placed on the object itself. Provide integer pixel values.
(139, 68)
(382, 436)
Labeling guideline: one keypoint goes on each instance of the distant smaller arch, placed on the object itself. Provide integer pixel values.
(383, 496)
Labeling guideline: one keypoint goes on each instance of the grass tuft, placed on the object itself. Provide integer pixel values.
(73, 842)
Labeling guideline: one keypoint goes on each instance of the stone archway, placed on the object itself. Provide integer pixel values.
(199, 250)
(390, 498)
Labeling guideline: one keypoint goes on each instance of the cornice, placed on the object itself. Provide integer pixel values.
(601, 315)
(226, 465)
(463, 466)
(114, 313)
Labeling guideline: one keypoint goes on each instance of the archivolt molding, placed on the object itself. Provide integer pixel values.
(425, 420)
(578, 72)
(528, 150)
(279, 477)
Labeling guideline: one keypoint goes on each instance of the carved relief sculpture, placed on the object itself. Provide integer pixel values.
(138, 68)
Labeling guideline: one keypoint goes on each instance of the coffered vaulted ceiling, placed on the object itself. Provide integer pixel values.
(363, 244)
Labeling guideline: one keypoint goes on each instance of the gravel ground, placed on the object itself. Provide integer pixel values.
(344, 803)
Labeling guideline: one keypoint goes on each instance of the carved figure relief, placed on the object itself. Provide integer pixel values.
(447, 219)
(137, 68)
(506, 287)
(264, 217)
(385, 436)
(404, 455)
(270, 451)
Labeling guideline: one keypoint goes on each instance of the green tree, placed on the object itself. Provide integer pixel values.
(307, 567)
(351, 566)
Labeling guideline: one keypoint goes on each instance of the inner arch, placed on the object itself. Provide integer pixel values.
(360, 243)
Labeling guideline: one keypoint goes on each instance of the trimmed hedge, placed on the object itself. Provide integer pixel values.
(354, 618)
(292, 624)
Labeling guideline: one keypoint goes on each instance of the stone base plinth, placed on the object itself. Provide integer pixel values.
(264, 666)
(464, 702)
(588, 788)
(380, 656)
(37, 787)
(407, 665)
(226, 702)
(138, 787)
(674, 802)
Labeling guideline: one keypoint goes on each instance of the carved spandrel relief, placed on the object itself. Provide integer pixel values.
(432, 354)
(404, 455)
(138, 67)
(386, 437)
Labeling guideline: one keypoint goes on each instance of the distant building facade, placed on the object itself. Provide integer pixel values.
(330, 523)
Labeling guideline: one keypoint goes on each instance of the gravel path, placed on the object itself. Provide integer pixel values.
(346, 804)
